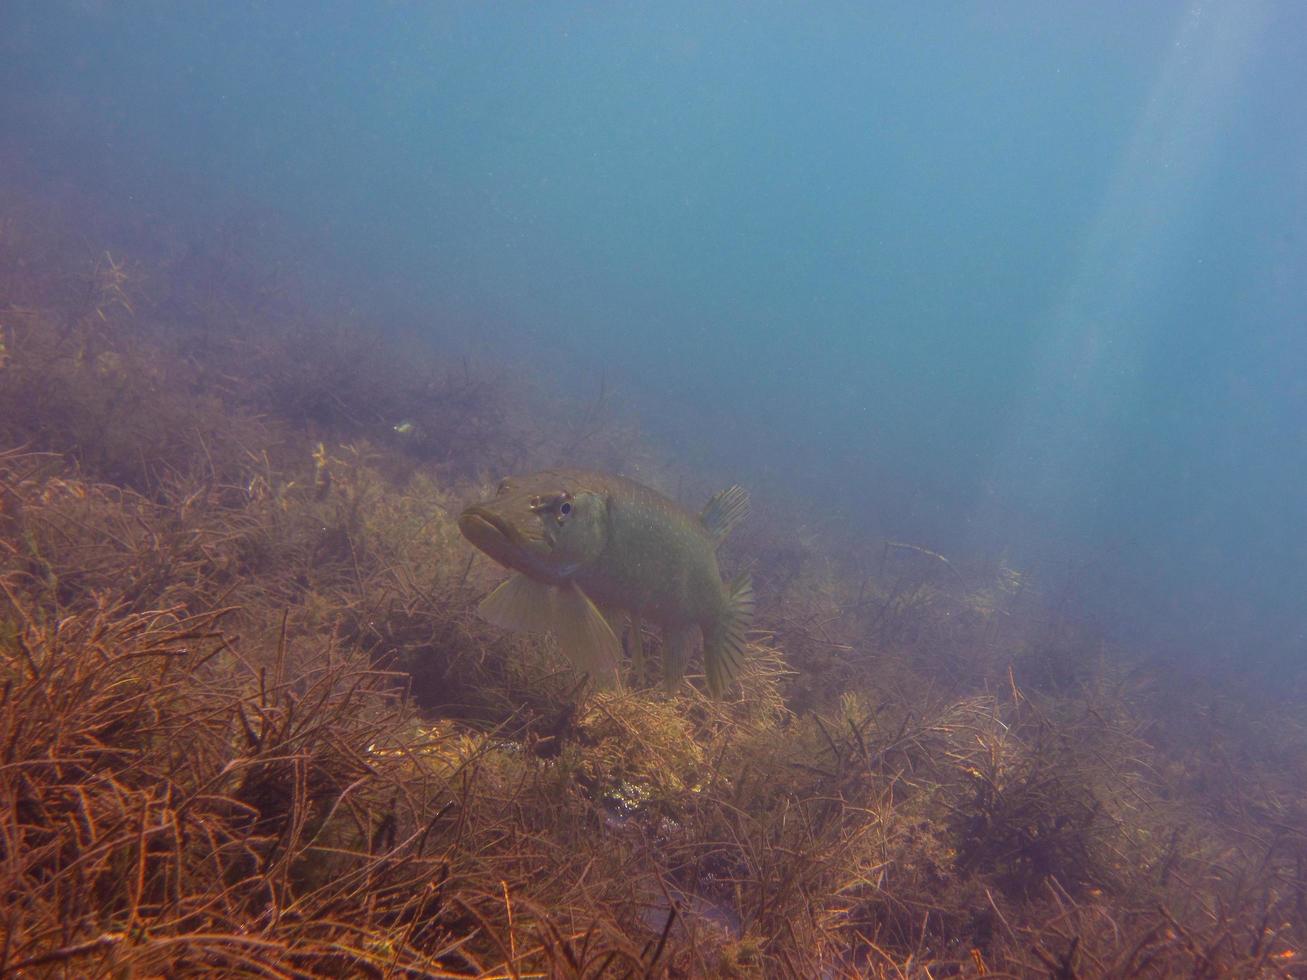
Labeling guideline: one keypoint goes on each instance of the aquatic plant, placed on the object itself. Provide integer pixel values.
(250, 722)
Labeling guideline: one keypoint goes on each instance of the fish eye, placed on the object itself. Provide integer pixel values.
(565, 508)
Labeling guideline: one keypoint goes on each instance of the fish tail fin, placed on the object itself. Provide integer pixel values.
(726, 643)
(725, 510)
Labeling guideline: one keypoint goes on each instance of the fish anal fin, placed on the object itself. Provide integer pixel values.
(726, 643)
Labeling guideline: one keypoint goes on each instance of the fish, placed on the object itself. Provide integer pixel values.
(589, 549)
(405, 428)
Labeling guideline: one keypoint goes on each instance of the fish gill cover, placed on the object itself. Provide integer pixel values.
(995, 312)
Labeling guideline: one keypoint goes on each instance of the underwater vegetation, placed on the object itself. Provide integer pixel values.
(251, 723)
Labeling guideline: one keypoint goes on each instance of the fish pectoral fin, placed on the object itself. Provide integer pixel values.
(520, 603)
(615, 617)
(584, 636)
(726, 644)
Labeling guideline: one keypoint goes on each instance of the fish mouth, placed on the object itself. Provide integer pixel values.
(491, 533)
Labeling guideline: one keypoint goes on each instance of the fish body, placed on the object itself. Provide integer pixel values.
(590, 549)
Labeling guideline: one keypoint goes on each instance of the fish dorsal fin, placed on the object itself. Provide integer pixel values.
(583, 635)
(725, 510)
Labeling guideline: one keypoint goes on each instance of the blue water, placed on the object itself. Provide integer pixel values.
(1020, 279)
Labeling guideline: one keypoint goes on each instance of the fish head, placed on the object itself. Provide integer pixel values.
(546, 525)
